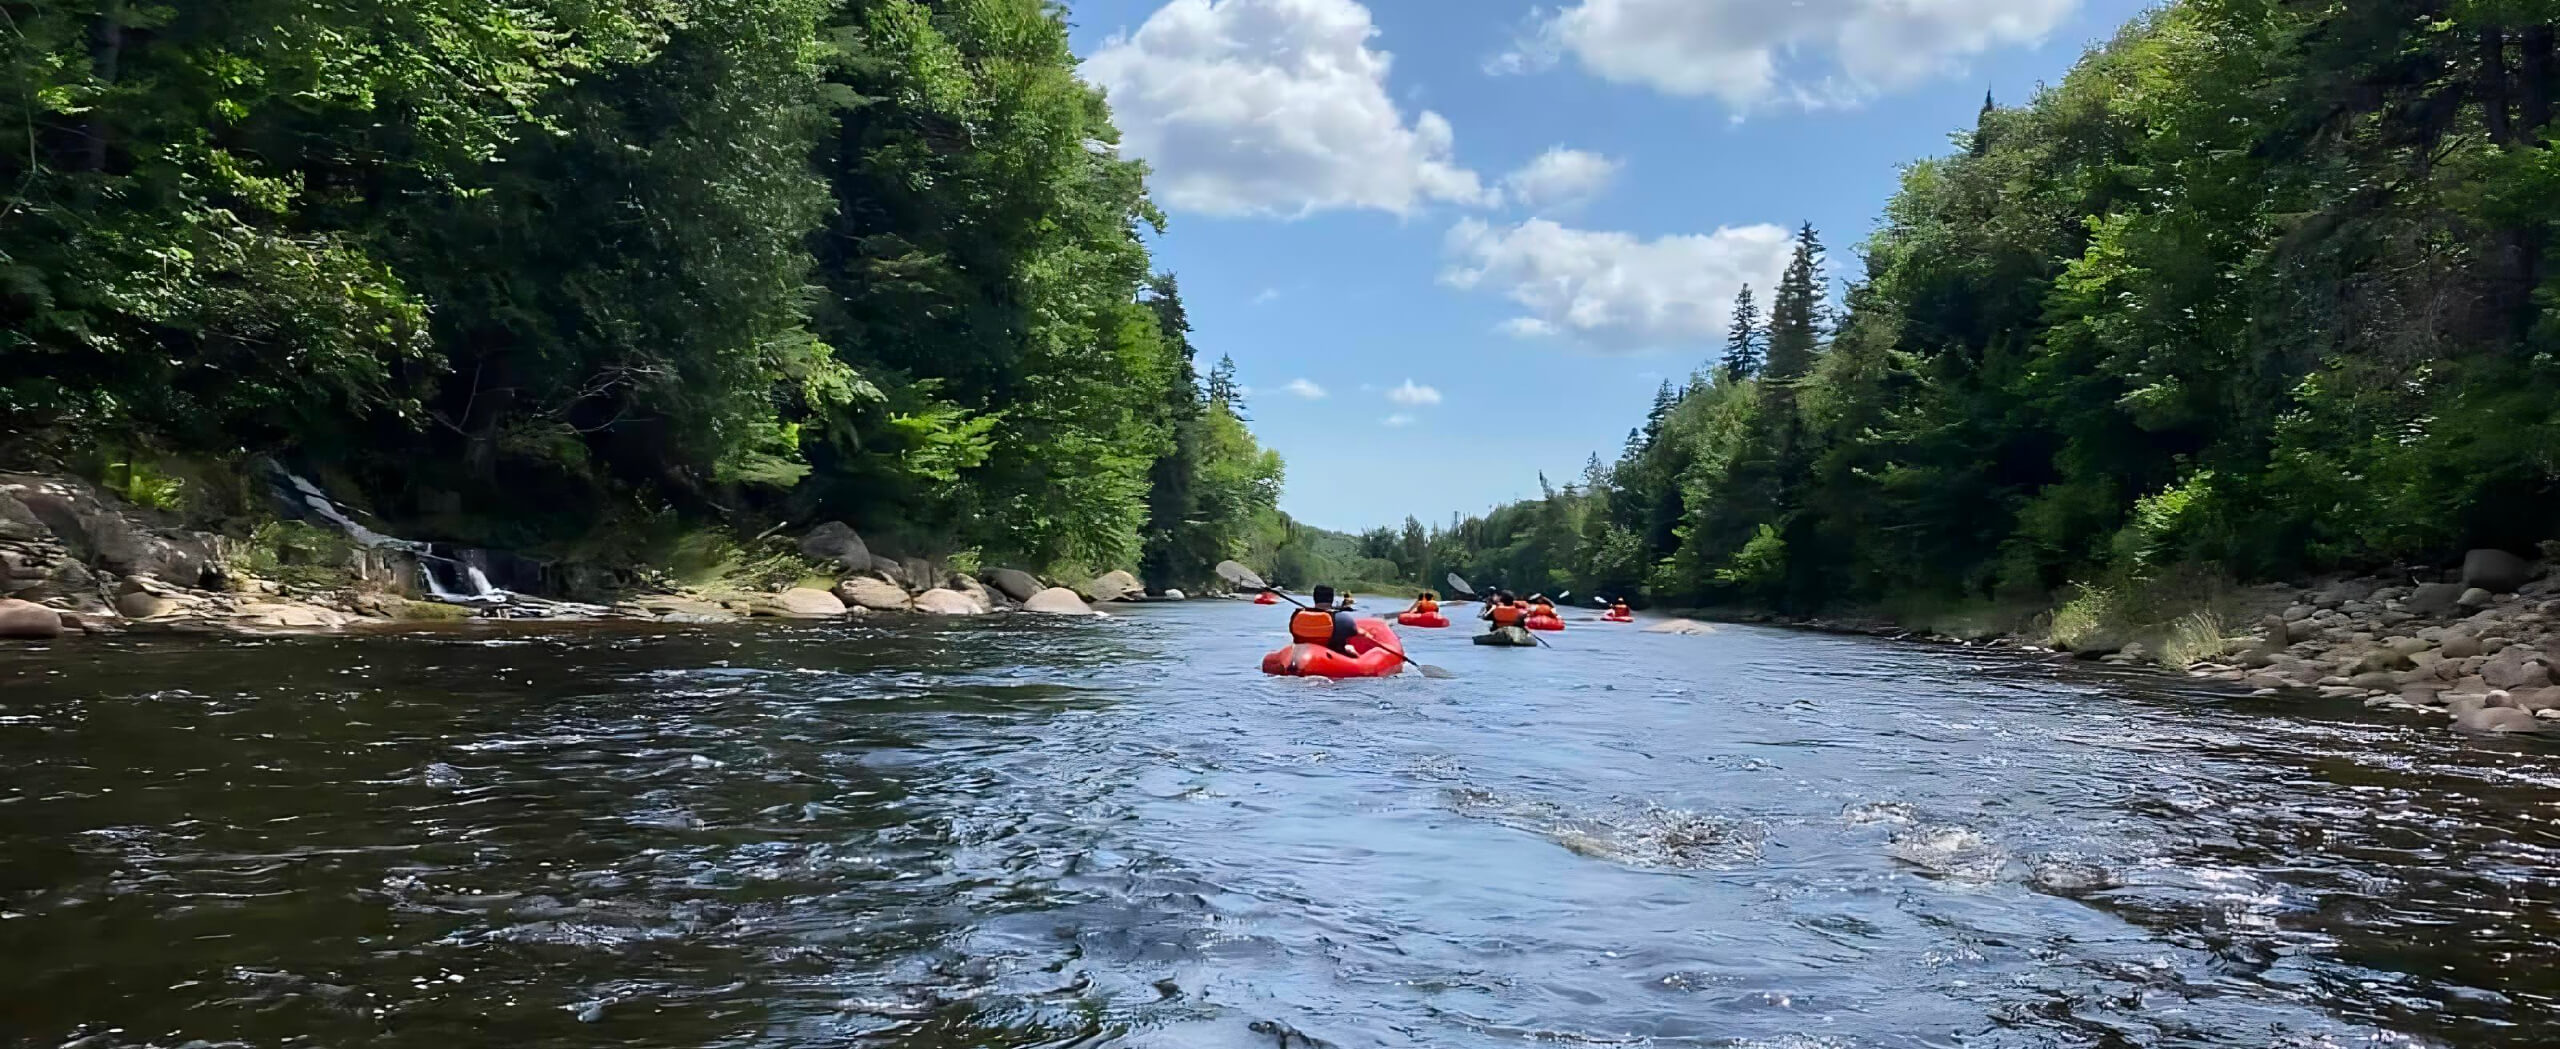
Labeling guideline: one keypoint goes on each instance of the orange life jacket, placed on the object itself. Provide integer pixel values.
(1310, 627)
(1621, 609)
(1507, 615)
(1426, 607)
(1546, 610)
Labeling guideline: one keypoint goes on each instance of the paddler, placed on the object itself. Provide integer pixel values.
(1503, 611)
(1619, 609)
(1427, 604)
(1323, 625)
(1542, 606)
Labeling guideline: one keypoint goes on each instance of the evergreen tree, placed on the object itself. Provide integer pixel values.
(1743, 356)
(1796, 314)
(1224, 390)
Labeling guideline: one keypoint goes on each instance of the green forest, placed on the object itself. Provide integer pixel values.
(583, 274)
(2260, 289)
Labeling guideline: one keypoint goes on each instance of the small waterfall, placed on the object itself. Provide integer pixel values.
(450, 575)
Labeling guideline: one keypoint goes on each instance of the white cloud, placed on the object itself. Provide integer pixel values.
(1615, 291)
(1561, 176)
(1267, 297)
(1274, 107)
(1734, 50)
(1398, 419)
(1305, 388)
(1412, 395)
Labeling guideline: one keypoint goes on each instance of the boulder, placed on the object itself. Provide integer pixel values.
(800, 602)
(1683, 627)
(2460, 646)
(1114, 586)
(28, 620)
(18, 522)
(918, 573)
(2299, 613)
(1014, 583)
(1171, 594)
(875, 594)
(2464, 703)
(2346, 590)
(2407, 646)
(838, 543)
(2517, 667)
(2535, 700)
(887, 568)
(2496, 721)
(940, 602)
(2476, 598)
(2378, 659)
(986, 599)
(2276, 631)
(290, 616)
(2496, 571)
(140, 604)
(1057, 601)
(2436, 599)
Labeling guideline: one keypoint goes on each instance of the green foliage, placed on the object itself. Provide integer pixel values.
(576, 264)
(2257, 289)
(297, 553)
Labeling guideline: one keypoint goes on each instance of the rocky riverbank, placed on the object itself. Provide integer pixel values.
(75, 559)
(2477, 646)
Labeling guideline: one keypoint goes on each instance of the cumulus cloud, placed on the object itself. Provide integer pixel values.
(1305, 388)
(1413, 395)
(1561, 176)
(1752, 53)
(1274, 107)
(1615, 291)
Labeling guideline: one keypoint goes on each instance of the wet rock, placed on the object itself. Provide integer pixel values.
(26, 620)
(2458, 704)
(940, 602)
(974, 591)
(2496, 721)
(1683, 627)
(2460, 646)
(888, 568)
(919, 574)
(875, 594)
(2476, 598)
(2496, 571)
(800, 603)
(1057, 601)
(2436, 599)
(2341, 692)
(2299, 613)
(836, 542)
(1114, 586)
(18, 522)
(1014, 583)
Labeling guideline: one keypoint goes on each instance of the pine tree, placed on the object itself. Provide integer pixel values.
(1796, 314)
(1224, 390)
(1981, 143)
(1663, 401)
(1743, 356)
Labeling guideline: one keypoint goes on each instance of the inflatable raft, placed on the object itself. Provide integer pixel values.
(1613, 617)
(1545, 623)
(1267, 598)
(1424, 620)
(1376, 652)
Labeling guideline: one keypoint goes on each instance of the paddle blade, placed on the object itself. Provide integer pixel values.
(1435, 673)
(1235, 572)
(1458, 585)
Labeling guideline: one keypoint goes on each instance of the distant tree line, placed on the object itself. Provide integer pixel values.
(2259, 288)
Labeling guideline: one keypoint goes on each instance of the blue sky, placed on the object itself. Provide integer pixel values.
(1486, 250)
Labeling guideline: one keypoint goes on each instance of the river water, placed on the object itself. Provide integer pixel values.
(1118, 833)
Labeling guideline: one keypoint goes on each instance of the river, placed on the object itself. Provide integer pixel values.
(1086, 833)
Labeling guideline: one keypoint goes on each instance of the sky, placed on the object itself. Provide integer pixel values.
(1452, 244)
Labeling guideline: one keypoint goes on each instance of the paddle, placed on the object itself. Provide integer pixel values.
(1241, 576)
(1460, 585)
